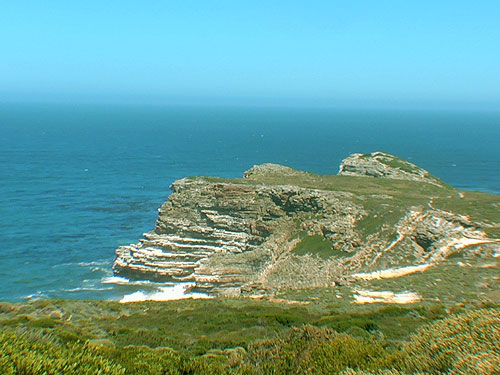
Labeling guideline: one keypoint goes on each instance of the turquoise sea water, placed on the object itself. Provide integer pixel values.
(78, 181)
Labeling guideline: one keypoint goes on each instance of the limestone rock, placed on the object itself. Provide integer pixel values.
(222, 235)
(279, 228)
(381, 164)
(270, 169)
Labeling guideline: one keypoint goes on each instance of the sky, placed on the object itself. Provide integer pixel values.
(327, 52)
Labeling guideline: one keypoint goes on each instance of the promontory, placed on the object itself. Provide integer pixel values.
(278, 228)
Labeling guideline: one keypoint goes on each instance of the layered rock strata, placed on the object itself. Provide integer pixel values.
(222, 234)
(282, 228)
(381, 164)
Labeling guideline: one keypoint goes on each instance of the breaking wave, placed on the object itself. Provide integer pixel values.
(167, 293)
(119, 280)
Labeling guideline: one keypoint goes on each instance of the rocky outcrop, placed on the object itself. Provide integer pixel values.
(281, 228)
(222, 234)
(381, 164)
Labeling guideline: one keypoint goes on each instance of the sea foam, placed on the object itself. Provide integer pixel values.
(119, 280)
(167, 293)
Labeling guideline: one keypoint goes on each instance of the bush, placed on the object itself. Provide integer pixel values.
(316, 351)
(468, 343)
(21, 355)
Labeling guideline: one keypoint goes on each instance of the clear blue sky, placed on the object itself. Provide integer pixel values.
(313, 51)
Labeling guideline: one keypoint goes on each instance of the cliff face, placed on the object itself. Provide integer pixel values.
(281, 228)
(222, 235)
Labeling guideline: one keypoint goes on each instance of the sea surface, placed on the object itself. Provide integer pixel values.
(77, 181)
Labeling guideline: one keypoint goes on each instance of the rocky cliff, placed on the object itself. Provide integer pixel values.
(278, 228)
(381, 164)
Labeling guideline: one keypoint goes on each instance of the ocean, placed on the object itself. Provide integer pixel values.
(77, 181)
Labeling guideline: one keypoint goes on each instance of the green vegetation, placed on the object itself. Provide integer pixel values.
(318, 245)
(386, 200)
(242, 336)
(481, 207)
(354, 184)
(449, 282)
(398, 163)
(465, 344)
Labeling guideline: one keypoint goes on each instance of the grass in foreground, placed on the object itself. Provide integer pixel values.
(240, 336)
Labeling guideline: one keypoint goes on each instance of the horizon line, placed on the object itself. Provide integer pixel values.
(251, 102)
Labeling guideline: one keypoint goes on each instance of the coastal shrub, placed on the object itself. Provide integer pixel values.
(358, 332)
(270, 340)
(350, 371)
(42, 323)
(341, 324)
(342, 351)
(212, 365)
(312, 350)
(21, 355)
(6, 307)
(146, 361)
(393, 322)
(202, 325)
(468, 343)
(67, 334)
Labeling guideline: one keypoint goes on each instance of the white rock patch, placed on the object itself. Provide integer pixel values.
(366, 296)
(391, 272)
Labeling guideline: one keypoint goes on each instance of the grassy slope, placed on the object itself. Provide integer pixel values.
(233, 336)
(196, 326)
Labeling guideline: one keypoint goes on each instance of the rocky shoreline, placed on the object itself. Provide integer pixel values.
(278, 228)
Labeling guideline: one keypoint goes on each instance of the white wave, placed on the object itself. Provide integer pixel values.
(37, 295)
(167, 293)
(85, 289)
(100, 269)
(115, 280)
(100, 263)
(84, 264)
(120, 280)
